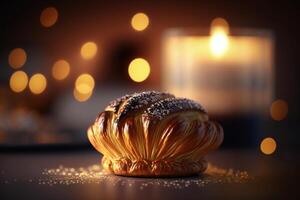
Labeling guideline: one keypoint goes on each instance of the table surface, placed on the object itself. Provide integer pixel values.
(233, 174)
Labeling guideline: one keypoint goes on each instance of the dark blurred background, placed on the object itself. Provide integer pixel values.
(56, 116)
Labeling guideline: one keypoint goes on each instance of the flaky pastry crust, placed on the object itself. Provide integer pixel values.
(153, 134)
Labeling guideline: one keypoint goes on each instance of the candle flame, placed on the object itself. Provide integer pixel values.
(219, 24)
(219, 41)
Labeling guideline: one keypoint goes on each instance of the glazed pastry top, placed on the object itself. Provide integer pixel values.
(152, 104)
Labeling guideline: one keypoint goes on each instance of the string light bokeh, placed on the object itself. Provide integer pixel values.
(89, 50)
(18, 81)
(85, 83)
(17, 58)
(60, 69)
(82, 97)
(140, 21)
(279, 110)
(37, 83)
(268, 146)
(49, 17)
(139, 69)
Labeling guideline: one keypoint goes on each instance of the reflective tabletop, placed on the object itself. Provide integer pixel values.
(232, 174)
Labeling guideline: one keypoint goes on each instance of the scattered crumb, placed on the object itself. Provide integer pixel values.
(94, 174)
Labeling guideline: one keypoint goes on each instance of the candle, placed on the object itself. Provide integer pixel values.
(229, 72)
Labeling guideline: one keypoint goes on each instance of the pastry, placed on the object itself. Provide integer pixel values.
(154, 134)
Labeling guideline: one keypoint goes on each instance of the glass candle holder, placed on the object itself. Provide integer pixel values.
(231, 75)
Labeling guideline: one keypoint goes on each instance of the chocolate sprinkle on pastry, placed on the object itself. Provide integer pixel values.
(140, 101)
(169, 106)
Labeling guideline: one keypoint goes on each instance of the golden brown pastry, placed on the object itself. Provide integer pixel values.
(153, 134)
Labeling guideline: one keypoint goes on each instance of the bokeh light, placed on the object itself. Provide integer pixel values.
(17, 58)
(268, 146)
(49, 17)
(88, 50)
(81, 97)
(37, 83)
(18, 81)
(60, 69)
(140, 21)
(84, 84)
(279, 110)
(139, 69)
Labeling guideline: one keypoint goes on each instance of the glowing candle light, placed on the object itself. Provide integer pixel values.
(18, 81)
(60, 69)
(49, 17)
(84, 83)
(219, 24)
(140, 21)
(235, 65)
(37, 83)
(17, 58)
(219, 43)
(279, 110)
(139, 70)
(268, 146)
(88, 50)
(219, 40)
